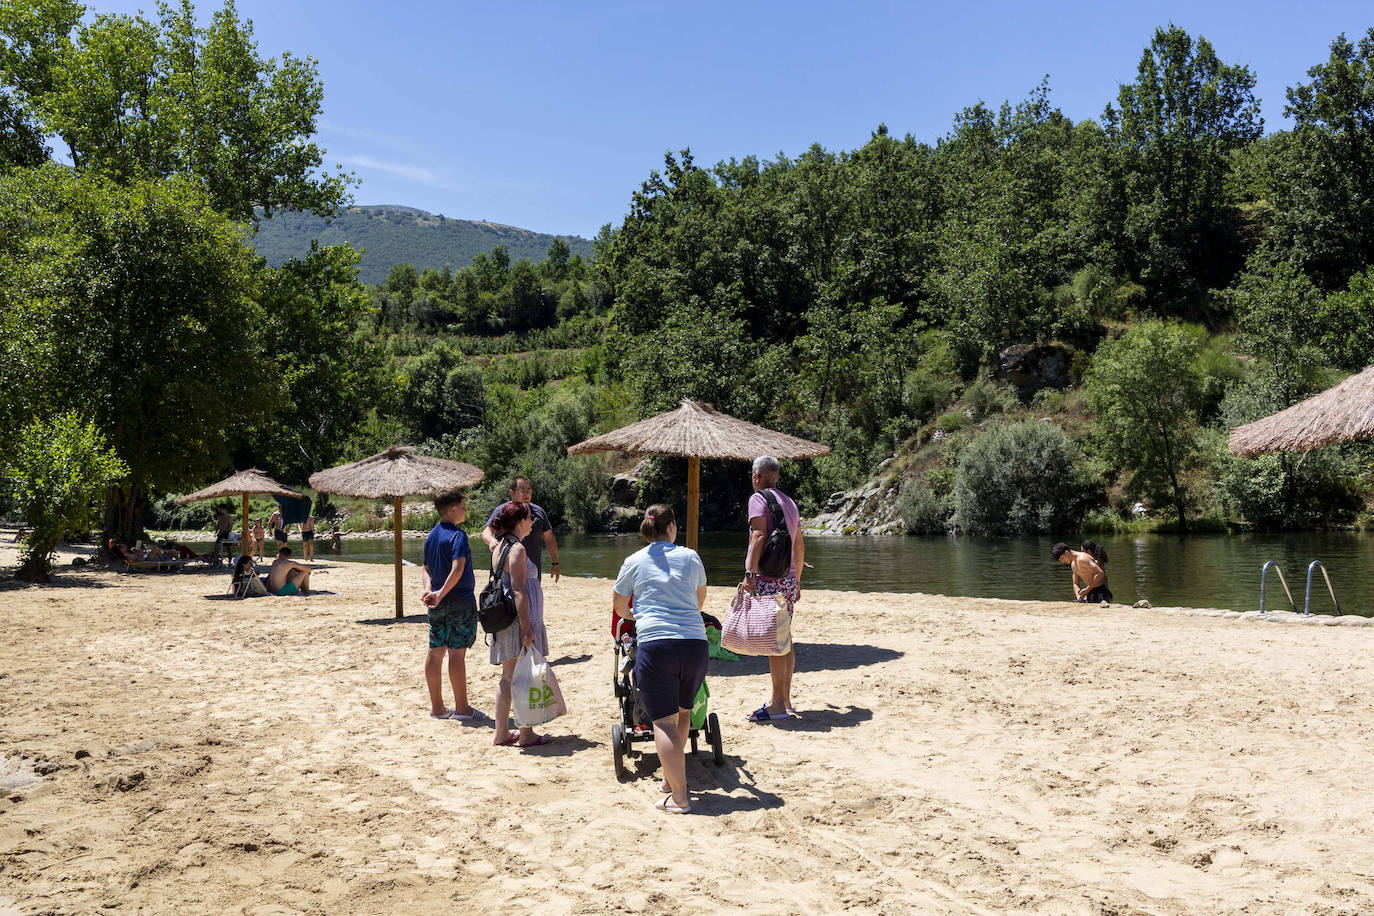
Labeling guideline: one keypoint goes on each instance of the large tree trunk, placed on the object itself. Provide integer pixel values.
(124, 506)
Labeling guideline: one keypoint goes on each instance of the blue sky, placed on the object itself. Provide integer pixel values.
(548, 115)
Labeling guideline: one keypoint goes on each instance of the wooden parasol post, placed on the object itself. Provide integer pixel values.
(693, 498)
(244, 543)
(396, 527)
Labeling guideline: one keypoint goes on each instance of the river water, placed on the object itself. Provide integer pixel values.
(1221, 571)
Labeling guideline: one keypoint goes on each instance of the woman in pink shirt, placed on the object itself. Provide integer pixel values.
(766, 472)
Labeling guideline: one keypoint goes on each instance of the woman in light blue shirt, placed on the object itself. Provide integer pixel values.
(668, 584)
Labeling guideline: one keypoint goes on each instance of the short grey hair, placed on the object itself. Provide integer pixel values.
(765, 465)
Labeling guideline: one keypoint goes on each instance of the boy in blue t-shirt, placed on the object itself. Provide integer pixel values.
(450, 595)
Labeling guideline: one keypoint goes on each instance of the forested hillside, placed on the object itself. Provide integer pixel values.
(388, 235)
(1041, 320)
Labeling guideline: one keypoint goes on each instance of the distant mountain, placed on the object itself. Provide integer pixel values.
(391, 235)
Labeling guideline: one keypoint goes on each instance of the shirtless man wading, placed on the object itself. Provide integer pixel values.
(1087, 566)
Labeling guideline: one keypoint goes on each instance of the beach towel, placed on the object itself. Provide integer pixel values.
(293, 511)
(535, 695)
(758, 624)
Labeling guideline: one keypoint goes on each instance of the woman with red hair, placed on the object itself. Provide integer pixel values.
(511, 525)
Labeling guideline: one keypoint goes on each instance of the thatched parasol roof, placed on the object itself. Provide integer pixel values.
(697, 430)
(1344, 413)
(395, 473)
(251, 482)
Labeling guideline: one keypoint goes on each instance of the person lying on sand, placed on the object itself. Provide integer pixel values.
(287, 577)
(1086, 565)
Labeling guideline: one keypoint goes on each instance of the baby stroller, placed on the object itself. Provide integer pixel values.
(634, 725)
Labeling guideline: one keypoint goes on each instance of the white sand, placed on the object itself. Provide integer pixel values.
(952, 755)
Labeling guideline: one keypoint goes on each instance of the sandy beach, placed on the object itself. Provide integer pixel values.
(952, 755)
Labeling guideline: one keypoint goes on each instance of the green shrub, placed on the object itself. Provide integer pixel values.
(1022, 478)
(921, 510)
(952, 421)
(1048, 400)
(57, 477)
(1103, 520)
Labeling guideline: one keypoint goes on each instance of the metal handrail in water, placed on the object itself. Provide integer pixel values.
(1264, 571)
(1307, 599)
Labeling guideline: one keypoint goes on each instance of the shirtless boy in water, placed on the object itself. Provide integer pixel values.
(1086, 565)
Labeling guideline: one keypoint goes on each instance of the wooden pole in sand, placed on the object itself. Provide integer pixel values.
(396, 528)
(244, 543)
(693, 497)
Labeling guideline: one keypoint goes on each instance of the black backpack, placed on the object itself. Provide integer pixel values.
(496, 605)
(776, 559)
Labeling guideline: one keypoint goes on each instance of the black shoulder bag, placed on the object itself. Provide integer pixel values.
(496, 605)
(776, 560)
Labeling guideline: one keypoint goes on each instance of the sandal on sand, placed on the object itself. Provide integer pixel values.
(512, 737)
(668, 806)
(539, 741)
(476, 716)
(446, 714)
(763, 715)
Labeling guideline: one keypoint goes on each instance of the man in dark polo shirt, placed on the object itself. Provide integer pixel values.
(541, 533)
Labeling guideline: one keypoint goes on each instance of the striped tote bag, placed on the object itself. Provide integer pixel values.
(758, 625)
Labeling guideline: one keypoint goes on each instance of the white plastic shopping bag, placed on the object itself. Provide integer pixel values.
(535, 696)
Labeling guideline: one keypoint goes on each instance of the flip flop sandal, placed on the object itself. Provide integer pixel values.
(668, 806)
(476, 716)
(763, 715)
(512, 737)
(448, 714)
(539, 741)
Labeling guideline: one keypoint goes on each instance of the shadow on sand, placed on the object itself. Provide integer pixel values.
(388, 621)
(810, 657)
(704, 778)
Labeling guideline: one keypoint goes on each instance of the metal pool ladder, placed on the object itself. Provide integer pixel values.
(1307, 599)
(1264, 571)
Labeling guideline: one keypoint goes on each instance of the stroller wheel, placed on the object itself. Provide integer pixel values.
(713, 735)
(618, 748)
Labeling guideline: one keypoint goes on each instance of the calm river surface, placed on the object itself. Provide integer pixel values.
(1196, 571)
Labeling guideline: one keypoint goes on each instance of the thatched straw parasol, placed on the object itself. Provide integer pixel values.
(1344, 413)
(695, 431)
(394, 474)
(251, 482)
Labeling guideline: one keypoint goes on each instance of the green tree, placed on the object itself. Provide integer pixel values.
(1143, 389)
(132, 99)
(136, 306)
(58, 473)
(1326, 197)
(325, 377)
(1346, 320)
(1173, 131)
(21, 144)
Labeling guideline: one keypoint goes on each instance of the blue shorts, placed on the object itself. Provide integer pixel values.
(453, 623)
(668, 673)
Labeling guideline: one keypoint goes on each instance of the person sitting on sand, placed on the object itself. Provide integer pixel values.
(451, 597)
(509, 527)
(668, 586)
(1087, 566)
(245, 582)
(287, 577)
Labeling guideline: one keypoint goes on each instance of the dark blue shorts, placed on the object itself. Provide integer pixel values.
(668, 673)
